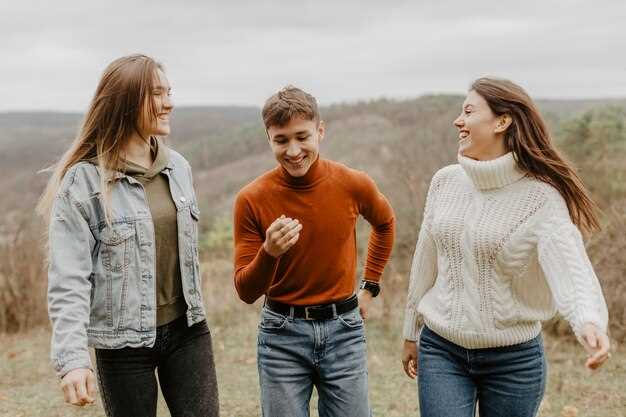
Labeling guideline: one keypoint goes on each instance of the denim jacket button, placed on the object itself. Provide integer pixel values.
(183, 199)
(192, 291)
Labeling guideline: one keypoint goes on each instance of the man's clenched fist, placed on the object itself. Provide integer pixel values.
(282, 234)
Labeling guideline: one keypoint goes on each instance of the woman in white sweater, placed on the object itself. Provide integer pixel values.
(499, 250)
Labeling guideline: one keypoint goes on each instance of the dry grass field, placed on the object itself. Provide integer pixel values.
(29, 388)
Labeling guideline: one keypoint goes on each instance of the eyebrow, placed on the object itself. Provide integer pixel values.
(162, 87)
(301, 132)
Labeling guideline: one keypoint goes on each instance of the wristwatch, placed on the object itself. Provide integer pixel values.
(370, 286)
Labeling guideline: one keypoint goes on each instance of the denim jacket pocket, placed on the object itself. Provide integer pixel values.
(109, 305)
(117, 246)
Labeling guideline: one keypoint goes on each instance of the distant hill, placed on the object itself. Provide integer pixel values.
(227, 146)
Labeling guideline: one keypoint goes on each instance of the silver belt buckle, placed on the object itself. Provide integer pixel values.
(306, 312)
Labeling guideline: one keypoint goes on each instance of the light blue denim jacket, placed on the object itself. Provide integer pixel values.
(101, 279)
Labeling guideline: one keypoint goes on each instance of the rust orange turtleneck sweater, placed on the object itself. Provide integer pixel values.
(320, 268)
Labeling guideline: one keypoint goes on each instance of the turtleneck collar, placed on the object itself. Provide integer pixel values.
(315, 174)
(495, 173)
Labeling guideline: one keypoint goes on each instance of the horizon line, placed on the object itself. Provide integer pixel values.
(336, 103)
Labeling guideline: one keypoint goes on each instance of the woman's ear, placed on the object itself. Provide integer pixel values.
(504, 121)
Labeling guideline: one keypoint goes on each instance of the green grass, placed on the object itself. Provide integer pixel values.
(29, 388)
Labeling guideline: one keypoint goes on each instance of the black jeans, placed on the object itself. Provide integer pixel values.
(183, 358)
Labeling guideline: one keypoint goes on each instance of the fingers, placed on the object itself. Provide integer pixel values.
(277, 224)
(69, 392)
(289, 232)
(409, 359)
(280, 227)
(596, 361)
(282, 234)
(413, 368)
(66, 393)
(601, 355)
(91, 387)
(405, 365)
(363, 311)
(79, 387)
(410, 367)
(81, 391)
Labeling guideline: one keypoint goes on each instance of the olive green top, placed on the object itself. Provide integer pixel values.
(170, 300)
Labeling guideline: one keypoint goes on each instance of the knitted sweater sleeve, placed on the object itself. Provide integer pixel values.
(574, 285)
(423, 268)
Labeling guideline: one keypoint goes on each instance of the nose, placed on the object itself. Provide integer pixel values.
(459, 122)
(168, 103)
(293, 149)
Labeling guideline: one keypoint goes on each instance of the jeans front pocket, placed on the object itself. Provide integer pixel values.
(351, 319)
(271, 322)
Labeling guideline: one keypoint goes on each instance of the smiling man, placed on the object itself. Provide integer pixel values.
(295, 243)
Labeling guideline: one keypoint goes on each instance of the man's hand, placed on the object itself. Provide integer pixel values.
(365, 299)
(597, 345)
(409, 358)
(282, 234)
(79, 387)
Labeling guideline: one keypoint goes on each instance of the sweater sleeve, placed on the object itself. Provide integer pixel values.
(423, 269)
(571, 278)
(375, 208)
(254, 267)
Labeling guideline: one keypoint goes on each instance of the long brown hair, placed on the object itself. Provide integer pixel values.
(121, 106)
(529, 140)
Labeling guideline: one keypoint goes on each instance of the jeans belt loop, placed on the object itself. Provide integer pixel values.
(292, 313)
(306, 313)
(334, 310)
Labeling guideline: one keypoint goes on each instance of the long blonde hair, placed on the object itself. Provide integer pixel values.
(121, 106)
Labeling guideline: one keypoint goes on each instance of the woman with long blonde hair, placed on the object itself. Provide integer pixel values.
(123, 256)
(499, 250)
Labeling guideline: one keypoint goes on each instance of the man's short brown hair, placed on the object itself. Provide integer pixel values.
(288, 103)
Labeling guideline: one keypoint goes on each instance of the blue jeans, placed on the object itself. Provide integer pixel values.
(505, 381)
(293, 355)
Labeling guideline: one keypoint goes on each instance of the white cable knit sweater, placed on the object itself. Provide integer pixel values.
(497, 253)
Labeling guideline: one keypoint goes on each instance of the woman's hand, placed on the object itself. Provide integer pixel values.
(79, 387)
(409, 358)
(597, 345)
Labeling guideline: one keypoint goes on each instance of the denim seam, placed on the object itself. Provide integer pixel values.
(543, 383)
(105, 398)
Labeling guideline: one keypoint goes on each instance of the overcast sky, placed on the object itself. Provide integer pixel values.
(240, 52)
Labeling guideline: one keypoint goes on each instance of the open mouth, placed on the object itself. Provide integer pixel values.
(297, 163)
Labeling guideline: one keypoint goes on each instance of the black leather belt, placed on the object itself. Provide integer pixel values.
(317, 312)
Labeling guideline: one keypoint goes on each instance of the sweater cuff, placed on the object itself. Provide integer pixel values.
(412, 325)
(590, 318)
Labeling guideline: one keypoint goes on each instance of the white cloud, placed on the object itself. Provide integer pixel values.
(240, 51)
